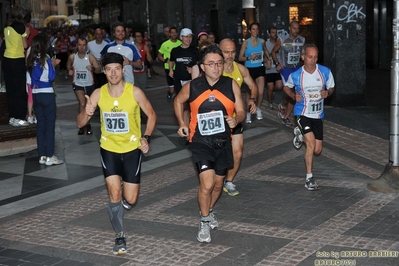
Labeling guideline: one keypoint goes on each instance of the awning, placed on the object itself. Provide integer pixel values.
(71, 23)
(53, 18)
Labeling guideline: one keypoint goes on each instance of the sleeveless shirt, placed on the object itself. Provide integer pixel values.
(236, 74)
(82, 76)
(290, 51)
(257, 51)
(209, 105)
(120, 120)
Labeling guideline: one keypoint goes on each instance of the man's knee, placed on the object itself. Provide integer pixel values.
(317, 149)
(115, 195)
(131, 199)
(218, 184)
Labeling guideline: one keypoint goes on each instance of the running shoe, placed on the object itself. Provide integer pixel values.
(53, 160)
(126, 205)
(281, 111)
(214, 221)
(298, 138)
(287, 121)
(230, 188)
(310, 184)
(120, 246)
(271, 106)
(81, 131)
(42, 160)
(248, 120)
(259, 115)
(204, 233)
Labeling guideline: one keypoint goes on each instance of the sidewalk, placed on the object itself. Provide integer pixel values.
(58, 215)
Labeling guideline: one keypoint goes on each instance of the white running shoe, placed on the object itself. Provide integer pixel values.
(53, 160)
(42, 159)
(248, 120)
(204, 232)
(259, 115)
(214, 221)
(298, 138)
(281, 111)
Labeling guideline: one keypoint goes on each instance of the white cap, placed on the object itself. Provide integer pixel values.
(186, 32)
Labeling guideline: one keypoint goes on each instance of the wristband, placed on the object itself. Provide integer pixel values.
(148, 138)
(253, 99)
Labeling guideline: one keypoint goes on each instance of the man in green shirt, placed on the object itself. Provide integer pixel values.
(164, 55)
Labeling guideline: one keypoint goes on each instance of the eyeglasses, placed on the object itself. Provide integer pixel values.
(109, 69)
(229, 52)
(213, 64)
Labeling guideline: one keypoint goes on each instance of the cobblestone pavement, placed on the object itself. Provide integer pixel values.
(273, 221)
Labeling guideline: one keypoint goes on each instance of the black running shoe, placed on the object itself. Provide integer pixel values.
(310, 184)
(120, 246)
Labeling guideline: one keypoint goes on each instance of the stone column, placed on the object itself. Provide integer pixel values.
(345, 49)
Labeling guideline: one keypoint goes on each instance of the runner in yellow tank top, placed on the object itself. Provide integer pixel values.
(235, 74)
(239, 73)
(117, 115)
(121, 142)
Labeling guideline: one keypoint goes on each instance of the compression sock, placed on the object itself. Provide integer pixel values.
(115, 211)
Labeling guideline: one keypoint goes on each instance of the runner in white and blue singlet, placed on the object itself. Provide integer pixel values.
(312, 83)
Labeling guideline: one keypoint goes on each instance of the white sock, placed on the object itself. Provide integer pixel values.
(308, 176)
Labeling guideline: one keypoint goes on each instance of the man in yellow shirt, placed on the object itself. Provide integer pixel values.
(240, 74)
(121, 142)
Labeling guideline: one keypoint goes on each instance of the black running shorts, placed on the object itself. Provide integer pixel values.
(126, 165)
(272, 77)
(87, 89)
(256, 72)
(314, 125)
(239, 129)
(221, 159)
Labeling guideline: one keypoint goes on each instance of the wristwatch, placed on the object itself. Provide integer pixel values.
(148, 138)
(253, 99)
